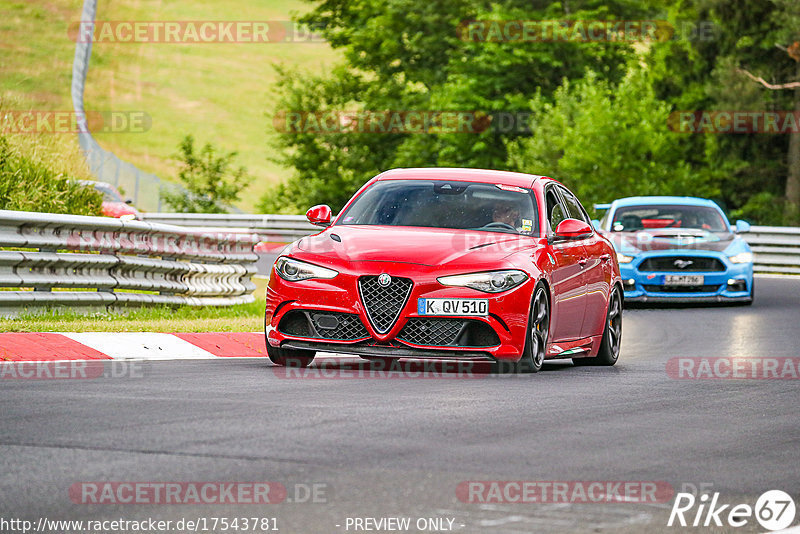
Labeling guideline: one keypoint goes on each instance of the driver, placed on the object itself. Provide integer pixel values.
(507, 214)
(692, 220)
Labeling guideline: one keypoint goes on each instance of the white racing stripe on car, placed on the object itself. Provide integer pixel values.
(140, 346)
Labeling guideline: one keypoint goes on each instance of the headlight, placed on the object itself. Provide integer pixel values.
(622, 258)
(742, 257)
(489, 282)
(295, 270)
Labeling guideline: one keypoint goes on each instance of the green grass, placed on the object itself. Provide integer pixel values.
(240, 318)
(220, 93)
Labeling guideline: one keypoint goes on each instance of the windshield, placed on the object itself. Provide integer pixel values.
(445, 204)
(635, 218)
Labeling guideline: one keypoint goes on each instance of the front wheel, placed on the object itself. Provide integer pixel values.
(538, 331)
(612, 335)
(290, 357)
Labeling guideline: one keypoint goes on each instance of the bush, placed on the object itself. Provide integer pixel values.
(31, 183)
(609, 141)
(211, 181)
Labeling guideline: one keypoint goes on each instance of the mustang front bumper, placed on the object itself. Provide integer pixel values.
(644, 281)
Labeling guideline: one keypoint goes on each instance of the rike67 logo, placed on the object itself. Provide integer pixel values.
(774, 510)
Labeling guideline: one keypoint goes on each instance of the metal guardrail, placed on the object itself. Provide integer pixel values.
(776, 248)
(276, 228)
(100, 261)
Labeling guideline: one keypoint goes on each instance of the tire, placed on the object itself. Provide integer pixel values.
(538, 331)
(612, 335)
(290, 357)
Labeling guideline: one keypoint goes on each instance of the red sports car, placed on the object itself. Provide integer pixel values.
(449, 263)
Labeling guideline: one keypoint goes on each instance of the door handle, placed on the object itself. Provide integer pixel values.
(582, 262)
(605, 257)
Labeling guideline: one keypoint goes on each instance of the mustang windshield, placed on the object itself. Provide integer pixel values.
(445, 204)
(636, 218)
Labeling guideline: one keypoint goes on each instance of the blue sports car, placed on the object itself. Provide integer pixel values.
(678, 249)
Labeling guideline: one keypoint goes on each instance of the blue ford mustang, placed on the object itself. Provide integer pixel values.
(678, 249)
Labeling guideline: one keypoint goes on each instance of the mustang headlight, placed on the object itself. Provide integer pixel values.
(742, 257)
(622, 258)
(295, 270)
(489, 282)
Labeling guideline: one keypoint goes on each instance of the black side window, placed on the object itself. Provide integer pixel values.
(574, 209)
(555, 213)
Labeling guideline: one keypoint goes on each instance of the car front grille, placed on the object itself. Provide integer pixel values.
(681, 289)
(323, 325)
(384, 303)
(691, 264)
(448, 333)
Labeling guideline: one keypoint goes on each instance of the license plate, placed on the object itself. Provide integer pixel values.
(458, 307)
(683, 279)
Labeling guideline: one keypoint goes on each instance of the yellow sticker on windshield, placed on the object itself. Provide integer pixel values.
(527, 225)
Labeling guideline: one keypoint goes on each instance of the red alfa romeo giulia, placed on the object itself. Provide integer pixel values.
(449, 263)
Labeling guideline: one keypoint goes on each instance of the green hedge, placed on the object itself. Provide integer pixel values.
(28, 183)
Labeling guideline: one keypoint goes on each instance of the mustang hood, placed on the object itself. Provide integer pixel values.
(423, 246)
(671, 239)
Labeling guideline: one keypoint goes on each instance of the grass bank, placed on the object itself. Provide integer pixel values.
(219, 92)
(240, 318)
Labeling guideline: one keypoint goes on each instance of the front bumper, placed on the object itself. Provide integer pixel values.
(733, 284)
(294, 311)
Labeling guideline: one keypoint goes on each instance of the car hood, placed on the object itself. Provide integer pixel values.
(671, 239)
(423, 246)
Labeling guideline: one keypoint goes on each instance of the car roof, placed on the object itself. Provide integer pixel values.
(661, 200)
(518, 179)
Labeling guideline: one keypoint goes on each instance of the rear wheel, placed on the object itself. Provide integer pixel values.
(612, 335)
(538, 331)
(290, 357)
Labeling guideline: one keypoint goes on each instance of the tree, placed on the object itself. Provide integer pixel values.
(403, 55)
(705, 71)
(787, 39)
(607, 141)
(211, 182)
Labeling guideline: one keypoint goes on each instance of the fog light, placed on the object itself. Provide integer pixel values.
(735, 284)
(628, 284)
(327, 322)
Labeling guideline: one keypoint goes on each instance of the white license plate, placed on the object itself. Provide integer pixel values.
(458, 307)
(683, 279)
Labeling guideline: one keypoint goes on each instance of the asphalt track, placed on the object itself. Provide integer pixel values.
(400, 447)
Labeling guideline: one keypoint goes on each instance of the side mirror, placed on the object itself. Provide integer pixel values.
(596, 224)
(572, 229)
(319, 215)
(742, 227)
